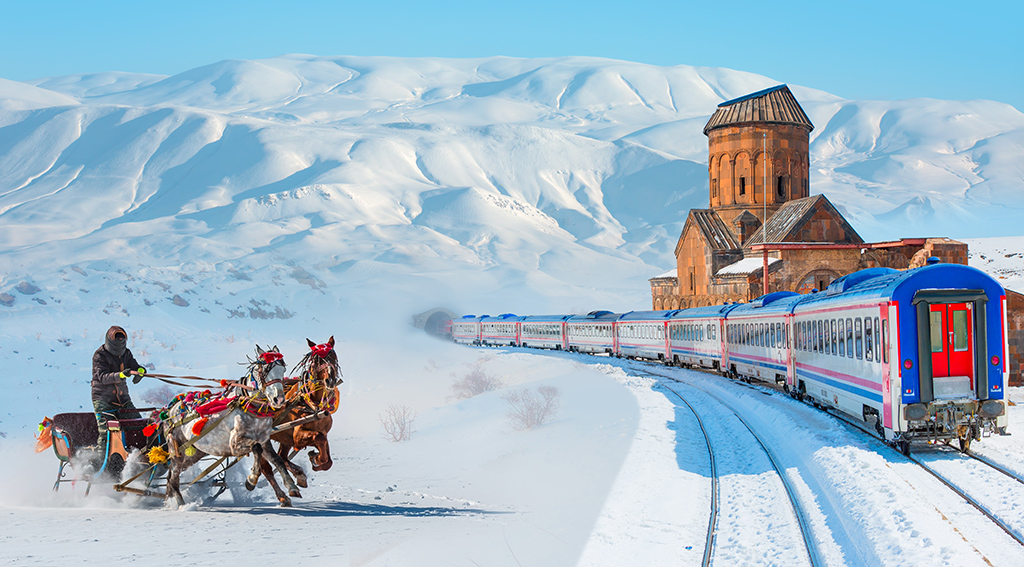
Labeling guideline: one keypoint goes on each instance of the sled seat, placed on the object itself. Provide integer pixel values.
(72, 431)
(130, 430)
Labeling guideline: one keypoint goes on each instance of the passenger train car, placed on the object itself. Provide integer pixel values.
(920, 354)
(593, 332)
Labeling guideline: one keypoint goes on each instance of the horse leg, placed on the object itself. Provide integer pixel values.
(296, 470)
(173, 482)
(321, 459)
(260, 466)
(282, 470)
(254, 474)
(268, 472)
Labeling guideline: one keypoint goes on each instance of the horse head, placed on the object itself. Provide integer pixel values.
(321, 363)
(267, 371)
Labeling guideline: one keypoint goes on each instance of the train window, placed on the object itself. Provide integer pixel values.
(828, 339)
(842, 338)
(831, 331)
(775, 335)
(849, 338)
(885, 340)
(821, 336)
(869, 342)
(858, 337)
(936, 327)
(960, 330)
(799, 335)
(760, 334)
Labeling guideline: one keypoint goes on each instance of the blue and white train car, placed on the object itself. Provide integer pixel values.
(923, 350)
(695, 336)
(644, 334)
(757, 338)
(502, 330)
(593, 332)
(543, 331)
(466, 329)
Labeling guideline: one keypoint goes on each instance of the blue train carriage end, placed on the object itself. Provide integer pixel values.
(951, 354)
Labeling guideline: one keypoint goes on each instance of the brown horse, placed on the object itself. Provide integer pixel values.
(315, 393)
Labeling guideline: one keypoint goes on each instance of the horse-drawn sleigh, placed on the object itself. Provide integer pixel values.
(214, 429)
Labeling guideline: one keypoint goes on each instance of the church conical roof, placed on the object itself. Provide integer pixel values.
(776, 105)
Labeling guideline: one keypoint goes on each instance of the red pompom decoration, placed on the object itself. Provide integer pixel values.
(223, 383)
(197, 428)
(149, 430)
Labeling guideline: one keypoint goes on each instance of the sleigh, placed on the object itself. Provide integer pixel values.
(73, 440)
(73, 437)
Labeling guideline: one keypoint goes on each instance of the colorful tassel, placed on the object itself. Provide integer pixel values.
(150, 429)
(157, 455)
(197, 427)
(190, 452)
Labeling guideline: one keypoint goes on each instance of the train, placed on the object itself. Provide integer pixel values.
(919, 354)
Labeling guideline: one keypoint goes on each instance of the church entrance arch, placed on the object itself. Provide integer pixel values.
(816, 279)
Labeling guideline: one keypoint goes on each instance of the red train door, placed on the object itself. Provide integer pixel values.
(952, 338)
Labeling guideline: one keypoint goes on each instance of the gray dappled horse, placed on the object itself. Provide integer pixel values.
(234, 432)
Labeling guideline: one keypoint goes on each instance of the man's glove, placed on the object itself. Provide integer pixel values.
(139, 375)
(122, 375)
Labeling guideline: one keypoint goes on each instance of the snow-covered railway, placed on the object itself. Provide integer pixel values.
(802, 522)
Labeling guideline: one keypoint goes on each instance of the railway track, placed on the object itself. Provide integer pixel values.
(974, 502)
(709, 544)
(801, 517)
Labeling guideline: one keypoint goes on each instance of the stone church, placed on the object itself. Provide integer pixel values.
(758, 180)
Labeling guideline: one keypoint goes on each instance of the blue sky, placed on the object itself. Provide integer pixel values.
(859, 50)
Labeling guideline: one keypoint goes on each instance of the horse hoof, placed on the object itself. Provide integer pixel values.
(294, 493)
(285, 503)
(250, 486)
(301, 481)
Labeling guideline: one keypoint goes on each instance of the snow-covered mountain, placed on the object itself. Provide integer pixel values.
(543, 183)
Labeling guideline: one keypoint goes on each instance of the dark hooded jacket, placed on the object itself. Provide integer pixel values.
(107, 384)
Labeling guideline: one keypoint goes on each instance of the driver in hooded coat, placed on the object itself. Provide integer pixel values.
(112, 364)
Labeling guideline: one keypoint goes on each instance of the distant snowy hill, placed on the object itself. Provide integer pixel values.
(498, 183)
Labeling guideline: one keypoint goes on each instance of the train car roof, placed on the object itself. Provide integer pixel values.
(778, 302)
(704, 312)
(648, 315)
(544, 318)
(470, 319)
(503, 318)
(596, 316)
(894, 285)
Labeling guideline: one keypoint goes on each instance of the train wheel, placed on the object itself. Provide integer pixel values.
(879, 428)
(904, 447)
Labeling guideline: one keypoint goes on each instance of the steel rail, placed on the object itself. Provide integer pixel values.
(995, 466)
(805, 528)
(973, 502)
(709, 543)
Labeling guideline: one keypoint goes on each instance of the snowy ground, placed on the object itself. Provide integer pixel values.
(620, 477)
